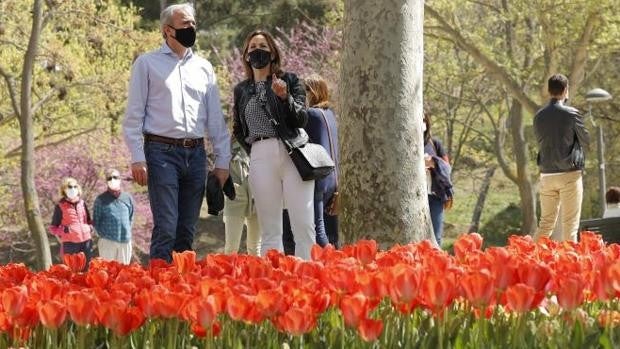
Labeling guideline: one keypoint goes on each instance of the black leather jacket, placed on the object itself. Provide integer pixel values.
(561, 137)
(290, 113)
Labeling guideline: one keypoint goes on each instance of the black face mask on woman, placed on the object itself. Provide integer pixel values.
(185, 36)
(259, 58)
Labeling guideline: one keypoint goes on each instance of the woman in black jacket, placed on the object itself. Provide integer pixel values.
(270, 105)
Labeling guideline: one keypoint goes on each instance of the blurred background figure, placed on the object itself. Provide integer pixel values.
(113, 214)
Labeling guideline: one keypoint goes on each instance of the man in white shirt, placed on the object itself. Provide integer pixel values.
(173, 101)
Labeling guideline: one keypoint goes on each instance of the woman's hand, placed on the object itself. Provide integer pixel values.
(279, 87)
(428, 161)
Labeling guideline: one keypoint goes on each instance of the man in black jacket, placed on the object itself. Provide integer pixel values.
(561, 136)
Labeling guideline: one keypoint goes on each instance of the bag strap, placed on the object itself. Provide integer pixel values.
(331, 144)
(276, 125)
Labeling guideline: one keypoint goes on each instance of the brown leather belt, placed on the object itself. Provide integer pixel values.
(181, 142)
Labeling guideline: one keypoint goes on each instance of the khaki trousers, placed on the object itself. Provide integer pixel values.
(233, 228)
(557, 190)
(114, 251)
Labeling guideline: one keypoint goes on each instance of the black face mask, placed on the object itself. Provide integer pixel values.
(259, 58)
(185, 36)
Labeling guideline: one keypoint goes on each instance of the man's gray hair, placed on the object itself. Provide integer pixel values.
(165, 18)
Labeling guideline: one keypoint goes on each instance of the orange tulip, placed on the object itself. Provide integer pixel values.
(405, 283)
(5, 323)
(467, 243)
(478, 287)
(297, 321)
(365, 251)
(14, 299)
(570, 291)
(52, 313)
(97, 278)
(81, 306)
(120, 318)
(354, 308)
(76, 262)
(270, 302)
(184, 262)
(534, 274)
(438, 290)
(29, 317)
(521, 298)
(370, 329)
(373, 284)
(239, 306)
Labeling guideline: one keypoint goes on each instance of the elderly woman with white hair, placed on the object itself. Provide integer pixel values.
(113, 214)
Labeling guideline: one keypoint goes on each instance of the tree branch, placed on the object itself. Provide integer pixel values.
(16, 151)
(11, 88)
(581, 55)
(499, 149)
(493, 67)
(43, 100)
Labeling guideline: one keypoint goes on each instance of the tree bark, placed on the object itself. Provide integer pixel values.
(26, 124)
(482, 197)
(524, 180)
(382, 169)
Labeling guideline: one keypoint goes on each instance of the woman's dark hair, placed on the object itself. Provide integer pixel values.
(613, 195)
(276, 63)
(427, 120)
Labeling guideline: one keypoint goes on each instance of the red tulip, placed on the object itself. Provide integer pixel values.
(120, 318)
(81, 307)
(354, 308)
(270, 302)
(52, 313)
(184, 262)
(14, 299)
(534, 274)
(370, 329)
(521, 298)
(76, 262)
(5, 323)
(467, 243)
(239, 306)
(478, 287)
(97, 278)
(29, 317)
(438, 290)
(405, 283)
(365, 251)
(570, 291)
(297, 321)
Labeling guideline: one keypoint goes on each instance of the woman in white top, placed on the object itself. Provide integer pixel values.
(613, 203)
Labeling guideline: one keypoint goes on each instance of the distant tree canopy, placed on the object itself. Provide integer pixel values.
(224, 23)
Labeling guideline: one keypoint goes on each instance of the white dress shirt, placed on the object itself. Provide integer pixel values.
(176, 98)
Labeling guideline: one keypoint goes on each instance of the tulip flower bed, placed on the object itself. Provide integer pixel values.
(524, 295)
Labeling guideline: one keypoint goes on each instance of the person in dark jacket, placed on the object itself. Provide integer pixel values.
(561, 137)
(438, 181)
(270, 106)
(322, 129)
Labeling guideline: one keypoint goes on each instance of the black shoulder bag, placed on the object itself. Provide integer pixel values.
(311, 160)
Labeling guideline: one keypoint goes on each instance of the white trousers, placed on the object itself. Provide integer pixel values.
(114, 251)
(276, 184)
(233, 228)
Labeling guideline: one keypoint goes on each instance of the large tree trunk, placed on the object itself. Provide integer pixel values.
(382, 167)
(482, 198)
(524, 180)
(31, 199)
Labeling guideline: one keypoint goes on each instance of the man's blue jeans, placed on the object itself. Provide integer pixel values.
(176, 182)
(436, 207)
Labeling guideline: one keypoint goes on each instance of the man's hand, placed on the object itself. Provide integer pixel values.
(221, 175)
(138, 171)
(279, 87)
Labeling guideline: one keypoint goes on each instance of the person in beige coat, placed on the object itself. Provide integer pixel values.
(241, 210)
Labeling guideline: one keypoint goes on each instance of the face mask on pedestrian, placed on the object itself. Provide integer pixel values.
(185, 36)
(259, 58)
(72, 192)
(114, 184)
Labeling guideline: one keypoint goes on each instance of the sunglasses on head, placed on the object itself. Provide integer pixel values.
(72, 186)
(113, 177)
